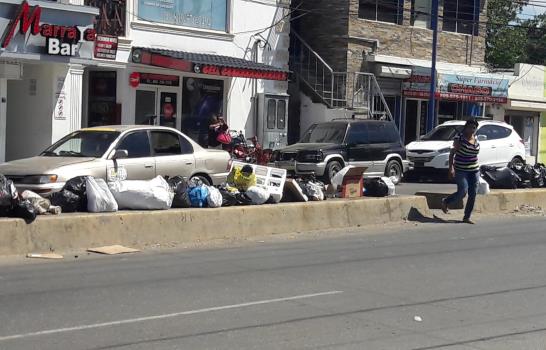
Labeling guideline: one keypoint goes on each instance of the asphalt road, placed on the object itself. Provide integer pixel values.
(472, 286)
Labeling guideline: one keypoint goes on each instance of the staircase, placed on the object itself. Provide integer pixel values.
(355, 91)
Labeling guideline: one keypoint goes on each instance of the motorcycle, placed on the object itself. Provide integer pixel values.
(248, 150)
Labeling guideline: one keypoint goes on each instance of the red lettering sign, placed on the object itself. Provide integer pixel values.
(26, 19)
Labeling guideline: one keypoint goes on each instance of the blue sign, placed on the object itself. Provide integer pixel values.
(205, 14)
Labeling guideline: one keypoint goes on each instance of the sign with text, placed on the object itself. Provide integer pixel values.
(204, 14)
(106, 47)
(159, 79)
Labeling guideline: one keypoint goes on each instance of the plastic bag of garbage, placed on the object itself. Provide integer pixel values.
(77, 185)
(375, 187)
(483, 186)
(242, 178)
(99, 196)
(337, 180)
(198, 196)
(68, 201)
(24, 210)
(180, 189)
(155, 194)
(314, 190)
(41, 205)
(500, 178)
(390, 184)
(8, 196)
(214, 199)
(257, 195)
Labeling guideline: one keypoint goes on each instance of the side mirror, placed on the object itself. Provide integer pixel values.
(120, 154)
(482, 138)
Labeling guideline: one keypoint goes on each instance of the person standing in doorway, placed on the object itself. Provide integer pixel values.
(464, 168)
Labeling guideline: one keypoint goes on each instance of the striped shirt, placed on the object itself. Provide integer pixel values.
(466, 158)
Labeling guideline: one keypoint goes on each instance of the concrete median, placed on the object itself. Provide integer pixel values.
(141, 229)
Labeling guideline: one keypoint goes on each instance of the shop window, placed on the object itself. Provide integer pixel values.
(166, 143)
(137, 144)
(281, 114)
(203, 14)
(111, 18)
(271, 114)
(461, 16)
(421, 13)
(391, 11)
(102, 107)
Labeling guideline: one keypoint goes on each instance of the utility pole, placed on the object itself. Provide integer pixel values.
(431, 115)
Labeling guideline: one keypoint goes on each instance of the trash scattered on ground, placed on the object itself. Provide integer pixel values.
(418, 319)
(528, 210)
(44, 256)
(113, 250)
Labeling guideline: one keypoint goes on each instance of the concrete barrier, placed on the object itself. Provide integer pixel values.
(141, 229)
(495, 202)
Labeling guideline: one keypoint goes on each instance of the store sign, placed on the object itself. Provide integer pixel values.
(134, 79)
(204, 14)
(106, 47)
(240, 72)
(159, 79)
(60, 40)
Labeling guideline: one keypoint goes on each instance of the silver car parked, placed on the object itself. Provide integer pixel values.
(118, 152)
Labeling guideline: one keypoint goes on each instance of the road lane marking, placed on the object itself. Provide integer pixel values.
(164, 316)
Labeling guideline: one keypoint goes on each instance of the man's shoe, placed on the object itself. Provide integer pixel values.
(468, 221)
(444, 206)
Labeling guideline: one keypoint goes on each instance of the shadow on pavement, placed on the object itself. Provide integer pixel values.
(416, 216)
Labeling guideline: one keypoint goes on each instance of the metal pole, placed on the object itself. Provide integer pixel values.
(431, 120)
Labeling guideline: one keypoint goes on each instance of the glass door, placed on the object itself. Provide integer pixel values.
(157, 106)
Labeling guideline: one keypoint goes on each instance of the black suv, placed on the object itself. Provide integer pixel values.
(327, 147)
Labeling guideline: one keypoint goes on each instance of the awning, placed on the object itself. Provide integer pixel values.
(207, 64)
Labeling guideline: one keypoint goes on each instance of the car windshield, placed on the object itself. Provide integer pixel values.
(325, 133)
(83, 143)
(443, 133)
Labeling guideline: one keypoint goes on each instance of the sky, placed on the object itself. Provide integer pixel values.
(530, 11)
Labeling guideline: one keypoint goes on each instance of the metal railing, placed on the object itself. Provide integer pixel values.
(356, 91)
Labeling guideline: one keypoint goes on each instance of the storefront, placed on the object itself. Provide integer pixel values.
(44, 50)
(459, 96)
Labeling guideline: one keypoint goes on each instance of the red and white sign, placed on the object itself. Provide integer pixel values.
(60, 40)
(134, 79)
(106, 47)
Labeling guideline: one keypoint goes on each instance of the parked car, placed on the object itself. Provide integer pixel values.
(328, 147)
(140, 152)
(500, 144)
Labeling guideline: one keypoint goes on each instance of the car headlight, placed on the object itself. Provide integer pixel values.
(39, 179)
(312, 157)
(444, 150)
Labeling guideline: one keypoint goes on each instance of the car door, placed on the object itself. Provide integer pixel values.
(358, 148)
(139, 164)
(488, 148)
(381, 145)
(506, 147)
(173, 154)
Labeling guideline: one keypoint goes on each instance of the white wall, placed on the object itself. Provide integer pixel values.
(312, 113)
(29, 117)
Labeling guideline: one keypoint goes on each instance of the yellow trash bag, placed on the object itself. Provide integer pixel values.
(242, 178)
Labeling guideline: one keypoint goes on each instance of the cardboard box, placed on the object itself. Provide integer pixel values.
(353, 183)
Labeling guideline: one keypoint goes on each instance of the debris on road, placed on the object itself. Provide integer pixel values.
(44, 256)
(417, 319)
(112, 250)
(528, 210)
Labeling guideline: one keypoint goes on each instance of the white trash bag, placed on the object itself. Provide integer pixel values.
(258, 195)
(99, 197)
(214, 200)
(155, 194)
(337, 180)
(390, 185)
(483, 186)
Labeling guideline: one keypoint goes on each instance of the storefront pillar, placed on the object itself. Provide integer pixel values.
(75, 99)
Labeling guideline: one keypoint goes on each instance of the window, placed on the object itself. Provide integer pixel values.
(165, 143)
(271, 114)
(391, 11)
(83, 144)
(461, 16)
(494, 132)
(358, 134)
(111, 18)
(383, 133)
(187, 148)
(421, 13)
(281, 114)
(204, 14)
(325, 133)
(136, 144)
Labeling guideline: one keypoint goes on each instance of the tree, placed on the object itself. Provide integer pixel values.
(535, 48)
(505, 43)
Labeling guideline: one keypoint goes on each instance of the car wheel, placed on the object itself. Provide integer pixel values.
(516, 162)
(394, 171)
(202, 178)
(332, 169)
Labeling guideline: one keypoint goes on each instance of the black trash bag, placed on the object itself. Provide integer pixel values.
(541, 169)
(8, 196)
(527, 174)
(68, 201)
(228, 199)
(504, 178)
(78, 186)
(243, 199)
(24, 210)
(180, 188)
(375, 188)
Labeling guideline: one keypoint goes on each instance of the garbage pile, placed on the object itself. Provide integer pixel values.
(515, 176)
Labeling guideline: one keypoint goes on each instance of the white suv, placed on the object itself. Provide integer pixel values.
(500, 144)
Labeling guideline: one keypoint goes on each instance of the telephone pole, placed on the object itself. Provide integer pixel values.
(431, 115)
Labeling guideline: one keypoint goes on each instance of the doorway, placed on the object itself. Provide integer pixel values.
(157, 106)
(415, 120)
